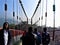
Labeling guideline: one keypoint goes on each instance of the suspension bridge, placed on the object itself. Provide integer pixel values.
(16, 15)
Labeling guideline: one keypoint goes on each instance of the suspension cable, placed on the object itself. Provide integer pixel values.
(54, 20)
(17, 11)
(5, 6)
(13, 12)
(46, 15)
(42, 13)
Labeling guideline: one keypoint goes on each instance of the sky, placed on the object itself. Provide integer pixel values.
(29, 6)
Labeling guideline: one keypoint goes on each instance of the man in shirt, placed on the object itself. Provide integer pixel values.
(45, 37)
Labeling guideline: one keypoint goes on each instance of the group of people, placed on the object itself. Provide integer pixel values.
(29, 38)
(33, 37)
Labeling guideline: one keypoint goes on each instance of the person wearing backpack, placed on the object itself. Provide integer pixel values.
(45, 37)
(28, 38)
(38, 37)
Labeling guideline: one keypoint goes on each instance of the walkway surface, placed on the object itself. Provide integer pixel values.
(51, 43)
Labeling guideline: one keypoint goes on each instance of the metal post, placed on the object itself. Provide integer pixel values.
(54, 27)
(27, 23)
(17, 19)
(42, 22)
(5, 16)
(13, 16)
(13, 12)
(27, 20)
(45, 19)
(31, 21)
(17, 11)
(54, 21)
(46, 15)
(39, 21)
(42, 12)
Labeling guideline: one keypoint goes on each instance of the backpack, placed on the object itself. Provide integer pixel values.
(45, 38)
(38, 38)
